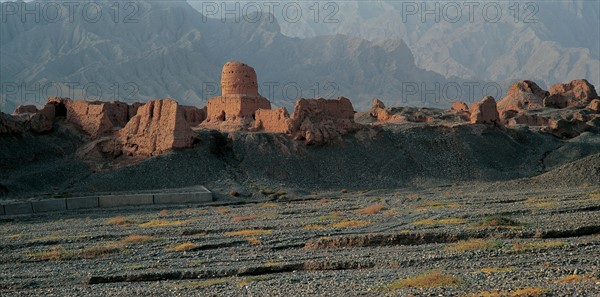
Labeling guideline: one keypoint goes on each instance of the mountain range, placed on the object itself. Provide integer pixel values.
(158, 49)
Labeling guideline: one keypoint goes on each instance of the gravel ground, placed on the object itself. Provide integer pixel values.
(463, 240)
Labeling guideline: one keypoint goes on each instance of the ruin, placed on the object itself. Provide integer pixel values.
(239, 98)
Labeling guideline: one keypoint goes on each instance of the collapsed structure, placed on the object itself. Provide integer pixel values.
(117, 128)
(241, 108)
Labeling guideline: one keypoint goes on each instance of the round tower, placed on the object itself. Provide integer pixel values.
(238, 79)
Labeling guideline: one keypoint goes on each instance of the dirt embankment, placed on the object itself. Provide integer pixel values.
(399, 155)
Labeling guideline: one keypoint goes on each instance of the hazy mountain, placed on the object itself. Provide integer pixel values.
(546, 41)
(168, 49)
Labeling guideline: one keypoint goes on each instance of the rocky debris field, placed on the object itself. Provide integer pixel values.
(471, 239)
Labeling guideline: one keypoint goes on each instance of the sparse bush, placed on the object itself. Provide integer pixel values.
(234, 194)
(344, 190)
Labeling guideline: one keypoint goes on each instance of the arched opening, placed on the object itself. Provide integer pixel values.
(60, 110)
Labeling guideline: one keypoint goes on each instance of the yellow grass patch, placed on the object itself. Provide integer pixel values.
(120, 220)
(58, 253)
(254, 241)
(271, 264)
(425, 280)
(222, 210)
(521, 292)
(573, 278)
(335, 215)
(186, 246)
(162, 223)
(268, 205)
(100, 250)
(475, 244)
(249, 232)
(373, 209)
(541, 202)
(137, 239)
(11, 236)
(238, 218)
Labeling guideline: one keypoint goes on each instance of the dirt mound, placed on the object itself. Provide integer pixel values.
(585, 171)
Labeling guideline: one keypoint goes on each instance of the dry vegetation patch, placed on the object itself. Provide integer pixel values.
(162, 223)
(254, 241)
(120, 220)
(238, 218)
(58, 253)
(475, 244)
(137, 239)
(249, 232)
(577, 278)
(186, 246)
(253, 279)
(521, 292)
(373, 209)
(425, 280)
